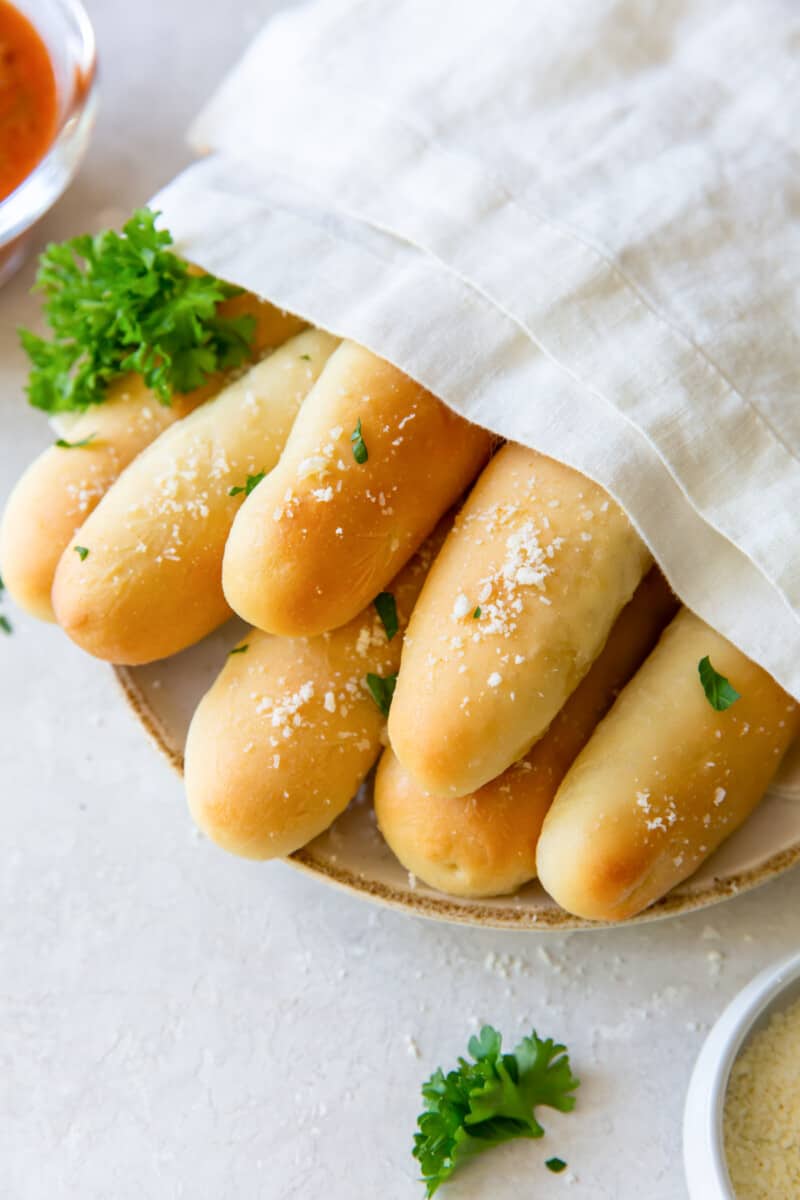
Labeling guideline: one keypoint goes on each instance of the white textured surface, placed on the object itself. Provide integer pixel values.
(176, 1023)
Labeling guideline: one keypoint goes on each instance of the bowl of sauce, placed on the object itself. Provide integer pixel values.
(47, 104)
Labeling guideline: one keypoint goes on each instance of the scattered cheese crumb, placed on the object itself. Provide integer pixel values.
(412, 1047)
(315, 464)
(460, 607)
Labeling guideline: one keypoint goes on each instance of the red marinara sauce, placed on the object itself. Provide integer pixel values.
(28, 98)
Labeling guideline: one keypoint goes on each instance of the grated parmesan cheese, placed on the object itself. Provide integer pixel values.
(460, 607)
(762, 1112)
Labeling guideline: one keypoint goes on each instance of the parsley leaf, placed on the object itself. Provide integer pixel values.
(123, 302)
(239, 649)
(382, 690)
(63, 444)
(387, 611)
(81, 552)
(556, 1165)
(476, 613)
(5, 624)
(719, 692)
(359, 445)
(252, 482)
(489, 1101)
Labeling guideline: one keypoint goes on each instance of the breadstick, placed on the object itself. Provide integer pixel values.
(484, 844)
(372, 462)
(516, 608)
(283, 740)
(145, 579)
(664, 779)
(62, 486)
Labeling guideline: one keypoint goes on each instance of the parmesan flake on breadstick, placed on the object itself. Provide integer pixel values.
(150, 583)
(372, 463)
(516, 608)
(63, 486)
(286, 735)
(665, 777)
(484, 843)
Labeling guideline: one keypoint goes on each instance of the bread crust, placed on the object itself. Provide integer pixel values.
(664, 779)
(326, 533)
(484, 844)
(62, 487)
(288, 732)
(516, 608)
(151, 583)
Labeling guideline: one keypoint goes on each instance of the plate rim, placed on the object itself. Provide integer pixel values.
(481, 914)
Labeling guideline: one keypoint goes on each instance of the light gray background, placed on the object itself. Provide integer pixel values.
(174, 1022)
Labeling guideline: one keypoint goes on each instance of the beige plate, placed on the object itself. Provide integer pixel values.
(353, 855)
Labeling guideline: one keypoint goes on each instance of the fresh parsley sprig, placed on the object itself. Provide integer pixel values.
(64, 444)
(381, 688)
(5, 624)
(247, 487)
(360, 452)
(489, 1101)
(720, 693)
(386, 608)
(121, 302)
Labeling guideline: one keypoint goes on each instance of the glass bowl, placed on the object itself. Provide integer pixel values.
(67, 33)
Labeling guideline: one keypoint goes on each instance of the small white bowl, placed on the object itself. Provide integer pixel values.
(774, 989)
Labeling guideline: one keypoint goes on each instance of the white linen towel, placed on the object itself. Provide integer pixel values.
(576, 222)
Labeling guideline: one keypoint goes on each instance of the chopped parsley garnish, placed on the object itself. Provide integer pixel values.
(81, 552)
(121, 302)
(489, 1101)
(477, 613)
(240, 649)
(251, 482)
(359, 445)
(382, 689)
(556, 1165)
(63, 444)
(5, 624)
(306, 357)
(387, 611)
(719, 692)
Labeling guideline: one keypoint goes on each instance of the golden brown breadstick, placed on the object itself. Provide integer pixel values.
(371, 465)
(484, 844)
(281, 743)
(664, 779)
(63, 486)
(516, 608)
(146, 578)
